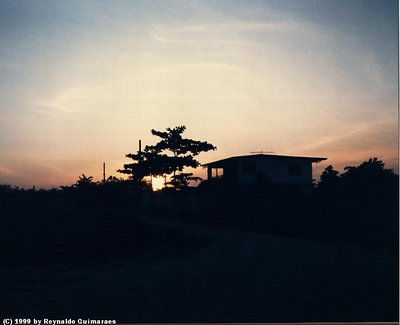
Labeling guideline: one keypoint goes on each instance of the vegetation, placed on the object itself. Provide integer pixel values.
(154, 160)
(102, 226)
(98, 219)
(80, 223)
(106, 223)
(358, 207)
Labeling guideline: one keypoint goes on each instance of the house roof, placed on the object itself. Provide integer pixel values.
(222, 162)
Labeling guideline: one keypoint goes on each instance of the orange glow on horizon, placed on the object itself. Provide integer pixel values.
(157, 183)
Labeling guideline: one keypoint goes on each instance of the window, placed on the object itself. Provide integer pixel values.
(249, 166)
(294, 169)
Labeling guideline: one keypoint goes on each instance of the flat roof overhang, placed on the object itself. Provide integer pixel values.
(223, 162)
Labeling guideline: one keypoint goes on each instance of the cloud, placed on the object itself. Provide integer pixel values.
(7, 172)
(234, 31)
(70, 100)
(369, 134)
(363, 140)
(240, 25)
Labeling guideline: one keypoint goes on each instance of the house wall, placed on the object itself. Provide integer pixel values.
(283, 171)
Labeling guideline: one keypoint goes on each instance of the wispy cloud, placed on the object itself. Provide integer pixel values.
(179, 33)
(362, 141)
(374, 131)
(7, 172)
(241, 25)
(69, 100)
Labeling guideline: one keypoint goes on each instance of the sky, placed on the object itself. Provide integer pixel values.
(82, 81)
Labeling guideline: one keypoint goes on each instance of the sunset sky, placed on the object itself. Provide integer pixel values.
(82, 81)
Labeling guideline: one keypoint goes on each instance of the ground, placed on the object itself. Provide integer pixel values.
(236, 276)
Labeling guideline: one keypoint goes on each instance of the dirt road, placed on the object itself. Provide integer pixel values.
(237, 277)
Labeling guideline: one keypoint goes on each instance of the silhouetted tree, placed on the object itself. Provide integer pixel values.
(369, 178)
(182, 180)
(154, 160)
(146, 163)
(370, 169)
(183, 152)
(84, 182)
(329, 180)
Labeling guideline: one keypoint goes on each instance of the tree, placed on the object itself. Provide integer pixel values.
(155, 161)
(146, 163)
(371, 177)
(85, 182)
(182, 180)
(369, 181)
(329, 180)
(367, 171)
(183, 152)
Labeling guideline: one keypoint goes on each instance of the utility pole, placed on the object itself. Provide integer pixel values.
(104, 172)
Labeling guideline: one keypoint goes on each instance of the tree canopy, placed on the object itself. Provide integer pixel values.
(172, 154)
(370, 177)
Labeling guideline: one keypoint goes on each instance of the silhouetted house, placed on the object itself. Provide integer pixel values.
(273, 169)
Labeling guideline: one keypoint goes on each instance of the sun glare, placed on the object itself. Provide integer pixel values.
(158, 183)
